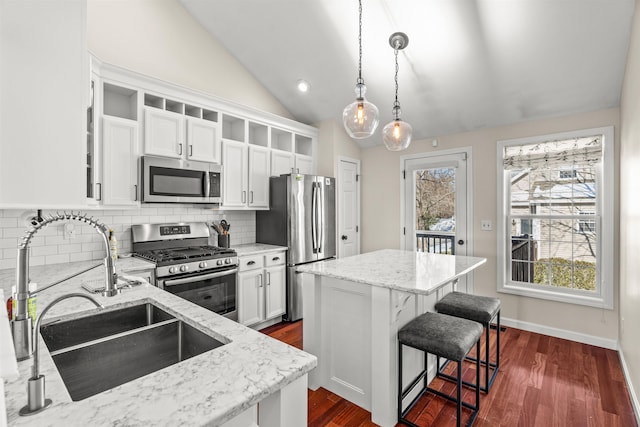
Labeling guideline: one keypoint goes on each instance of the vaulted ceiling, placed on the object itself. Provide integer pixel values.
(469, 63)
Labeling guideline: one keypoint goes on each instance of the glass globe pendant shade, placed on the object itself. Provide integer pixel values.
(360, 118)
(396, 135)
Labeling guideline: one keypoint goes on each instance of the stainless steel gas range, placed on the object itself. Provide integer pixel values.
(187, 266)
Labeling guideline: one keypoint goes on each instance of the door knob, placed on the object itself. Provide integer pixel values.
(344, 237)
(461, 242)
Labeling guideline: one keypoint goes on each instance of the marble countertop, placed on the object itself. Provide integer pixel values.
(208, 389)
(408, 271)
(257, 248)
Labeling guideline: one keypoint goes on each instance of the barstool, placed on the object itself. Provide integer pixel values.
(479, 309)
(442, 336)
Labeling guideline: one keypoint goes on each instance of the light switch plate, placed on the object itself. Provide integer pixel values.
(486, 225)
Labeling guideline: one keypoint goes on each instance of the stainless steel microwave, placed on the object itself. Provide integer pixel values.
(166, 180)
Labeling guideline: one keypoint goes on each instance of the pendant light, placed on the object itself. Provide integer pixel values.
(396, 135)
(360, 118)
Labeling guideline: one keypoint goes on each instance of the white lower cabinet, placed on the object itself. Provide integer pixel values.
(261, 293)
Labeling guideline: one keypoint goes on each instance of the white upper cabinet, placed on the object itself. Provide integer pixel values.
(118, 145)
(304, 165)
(164, 133)
(259, 161)
(282, 162)
(203, 141)
(179, 130)
(234, 174)
(44, 87)
(291, 153)
(120, 177)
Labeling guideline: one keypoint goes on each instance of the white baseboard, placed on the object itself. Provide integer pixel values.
(632, 393)
(561, 333)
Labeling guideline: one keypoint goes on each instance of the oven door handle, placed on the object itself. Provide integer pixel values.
(199, 277)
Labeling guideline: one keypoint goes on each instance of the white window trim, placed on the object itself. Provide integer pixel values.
(604, 299)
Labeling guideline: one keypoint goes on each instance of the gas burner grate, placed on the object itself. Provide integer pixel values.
(186, 253)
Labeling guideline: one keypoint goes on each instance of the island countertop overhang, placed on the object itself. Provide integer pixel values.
(407, 271)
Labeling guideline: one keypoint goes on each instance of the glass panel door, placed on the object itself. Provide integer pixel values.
(436, 204)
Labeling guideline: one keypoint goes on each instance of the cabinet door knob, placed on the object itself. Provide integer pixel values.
(344, 237)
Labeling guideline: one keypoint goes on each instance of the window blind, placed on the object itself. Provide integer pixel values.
(553, 153)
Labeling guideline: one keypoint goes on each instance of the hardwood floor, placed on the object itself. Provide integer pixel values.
(543, 381)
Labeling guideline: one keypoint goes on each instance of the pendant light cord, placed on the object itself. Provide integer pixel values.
(396, 104)
(359, 40)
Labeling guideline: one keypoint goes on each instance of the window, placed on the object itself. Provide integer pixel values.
(567, 174)
(587, 225)
(555, 200)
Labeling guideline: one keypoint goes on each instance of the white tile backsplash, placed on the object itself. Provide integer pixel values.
(51, 246)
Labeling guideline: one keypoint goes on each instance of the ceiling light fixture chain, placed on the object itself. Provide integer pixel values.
(360, 79)
(396, 135)
(396, 104)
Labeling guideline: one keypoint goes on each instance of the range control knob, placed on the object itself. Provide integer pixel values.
(219, 262)
(172, 270)
(227, 261)
(184, 268)
(202, 265)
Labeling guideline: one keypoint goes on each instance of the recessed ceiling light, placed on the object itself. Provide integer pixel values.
(303, 86)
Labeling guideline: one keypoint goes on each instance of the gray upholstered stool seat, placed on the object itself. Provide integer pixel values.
(479, 309)
(444, 336)
(447, 336)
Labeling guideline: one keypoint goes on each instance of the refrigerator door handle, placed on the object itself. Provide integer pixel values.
(314, 217)
(320, 216)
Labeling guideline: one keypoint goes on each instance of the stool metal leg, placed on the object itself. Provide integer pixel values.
(459, 395)
(489, 375)
(399, 381)
(458, 400)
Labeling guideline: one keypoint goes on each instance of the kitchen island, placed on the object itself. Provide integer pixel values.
(353, 308)
(221, 387)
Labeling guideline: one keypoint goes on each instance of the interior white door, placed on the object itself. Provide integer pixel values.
(436, 208)
(348, 208)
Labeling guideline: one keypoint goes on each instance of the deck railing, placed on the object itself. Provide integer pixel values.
(523, 254)
(438, 242)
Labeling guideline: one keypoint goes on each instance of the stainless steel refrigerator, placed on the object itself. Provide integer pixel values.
(301, 217)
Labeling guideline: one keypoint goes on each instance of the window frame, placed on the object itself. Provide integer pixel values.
(603, 298)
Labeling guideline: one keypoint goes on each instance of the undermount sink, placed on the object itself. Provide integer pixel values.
(99, 352)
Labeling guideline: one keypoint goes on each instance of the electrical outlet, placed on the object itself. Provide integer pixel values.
(486, 225)
(69, 231)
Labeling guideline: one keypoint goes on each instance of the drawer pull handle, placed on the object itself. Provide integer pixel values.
(251, 262)
(276, 258)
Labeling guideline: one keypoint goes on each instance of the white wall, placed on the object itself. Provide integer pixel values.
(630, 213)
(381, 206)
(333, 142)
(159, 38)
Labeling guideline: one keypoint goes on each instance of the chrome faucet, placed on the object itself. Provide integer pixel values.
(21, 325)
(36, 399)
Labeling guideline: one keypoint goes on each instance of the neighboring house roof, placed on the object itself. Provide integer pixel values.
(444, 224)
(558, 193)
